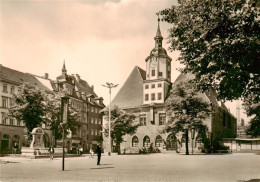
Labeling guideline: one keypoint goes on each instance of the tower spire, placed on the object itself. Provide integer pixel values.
(158, 38)
(64, 71)
(158, 33)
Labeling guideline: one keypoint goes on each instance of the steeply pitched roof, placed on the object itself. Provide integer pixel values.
(17, 77)
(83, 86)
(131, 93)
(210, 95)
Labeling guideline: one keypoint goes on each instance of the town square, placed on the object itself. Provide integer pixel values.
(237, 167)
(129, 90)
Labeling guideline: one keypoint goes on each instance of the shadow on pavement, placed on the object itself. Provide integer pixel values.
(6, 162)
(102, 167)
(105, 164)
(251, 180)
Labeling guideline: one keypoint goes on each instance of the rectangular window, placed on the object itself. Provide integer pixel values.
(11, 121)
(100, 122)
(146, 86)
(159, 85)
(153, 72)
(18, 123)
(162, 118)
(12, 89)
(95, 132)
(142, 119)
(146, 97)
(91, 120)
(169, 74)
(11, 102)
(152, 96)
(159, 96)
(4, 119)
(153, 85)
(5, 88)
(4, 102)
(160, 73)
(92, 132)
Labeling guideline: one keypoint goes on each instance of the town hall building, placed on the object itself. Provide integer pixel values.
(145, 93)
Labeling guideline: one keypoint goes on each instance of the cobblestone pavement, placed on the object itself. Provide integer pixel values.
(155, 167)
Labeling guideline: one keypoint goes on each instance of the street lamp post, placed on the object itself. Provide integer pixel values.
(110, 86)
(64, 119)
(192, 137)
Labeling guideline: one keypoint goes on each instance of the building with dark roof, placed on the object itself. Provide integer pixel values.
(145, 93)
(11, 130)
(82, 97)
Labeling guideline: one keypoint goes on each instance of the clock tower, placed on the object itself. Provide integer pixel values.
(158, 72)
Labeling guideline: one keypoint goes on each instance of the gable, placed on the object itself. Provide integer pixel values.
(131, 93)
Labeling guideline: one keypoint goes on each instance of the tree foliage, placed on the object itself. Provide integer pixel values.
(186, 110)
(53, 116)
(29, 106)
(219, 42)
(35, 107)
(122, 123)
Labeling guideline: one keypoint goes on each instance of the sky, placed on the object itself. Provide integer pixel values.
(101, 40)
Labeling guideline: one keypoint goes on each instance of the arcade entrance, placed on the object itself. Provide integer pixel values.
(171, 143)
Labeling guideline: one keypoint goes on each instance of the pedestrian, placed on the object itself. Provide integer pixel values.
(80, 150)
(51, 150)
(91, 152)
(98, 154)
(15, 148)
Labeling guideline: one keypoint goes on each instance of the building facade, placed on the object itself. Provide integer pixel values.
(145, 93)
(11, 130)
(82, 97)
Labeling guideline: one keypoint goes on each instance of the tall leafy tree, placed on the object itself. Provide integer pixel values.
(186, 111)
(34, 107)
(219, 41)
(122, 123)
(29, 106)
(53, 116)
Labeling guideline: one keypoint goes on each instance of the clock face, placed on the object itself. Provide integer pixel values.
(153, 62)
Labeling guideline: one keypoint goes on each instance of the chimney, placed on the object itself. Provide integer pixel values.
(92, 86)
(46, 75)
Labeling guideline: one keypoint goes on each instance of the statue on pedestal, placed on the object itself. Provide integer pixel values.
(37, 141)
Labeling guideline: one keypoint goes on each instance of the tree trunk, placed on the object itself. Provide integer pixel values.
(118, 148)
(187, 142)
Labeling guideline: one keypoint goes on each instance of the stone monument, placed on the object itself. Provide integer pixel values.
(37, 141)
(37, 145)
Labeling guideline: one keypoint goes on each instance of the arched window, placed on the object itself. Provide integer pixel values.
(5, 142)
(198, 141)
(171, 142)
(146, 141)
(135, 141)
(158, 141)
